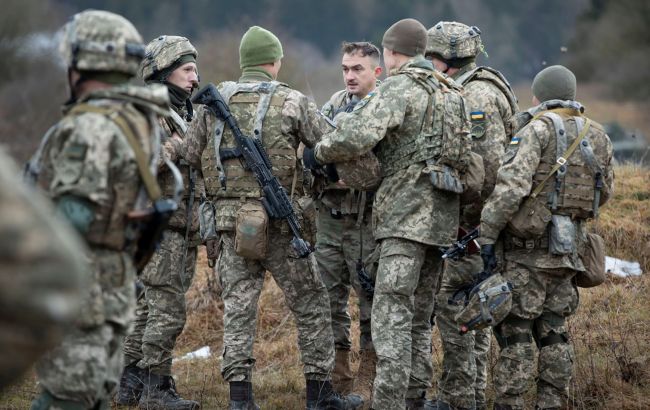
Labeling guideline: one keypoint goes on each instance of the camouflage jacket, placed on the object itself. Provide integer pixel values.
(406, 203)
(300, 122)
(334, 196)
(489, 109)
(170, 125)
(533, 148)
(87, 156)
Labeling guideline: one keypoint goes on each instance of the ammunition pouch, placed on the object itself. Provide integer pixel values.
(251, 231)
(562, 236)
(444, 177)
(150, 223)
(207, 222)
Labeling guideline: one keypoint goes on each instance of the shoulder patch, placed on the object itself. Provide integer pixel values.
(477, 115)
(75, 151)
(515, 140)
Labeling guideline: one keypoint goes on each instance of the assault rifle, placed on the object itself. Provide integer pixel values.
(254, 158)
(465, 245)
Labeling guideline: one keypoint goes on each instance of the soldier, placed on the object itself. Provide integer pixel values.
(452, 48)
(41, 275)
(250, 243)
(402, 123)
(545, 191)
(344, 234)
(98, 166)
(160, 312)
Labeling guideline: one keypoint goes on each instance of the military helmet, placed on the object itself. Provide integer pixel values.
(162, 52)
(452, 40)
(488, 303)
(96, 40)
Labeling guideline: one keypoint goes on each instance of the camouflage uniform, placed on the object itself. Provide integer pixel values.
(41, 275)
(543, 292)
(88, 166)
(411, 219)
(343, 236)
(160, 312)
(290, 119)
(490, 103)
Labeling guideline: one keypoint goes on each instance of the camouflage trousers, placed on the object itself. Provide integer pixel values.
(86, 366)
(339, 242)
(465, 363)
(542, 299)
(401, 320)
(160, 311)
(305, 294)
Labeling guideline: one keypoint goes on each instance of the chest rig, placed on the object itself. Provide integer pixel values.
(258, 109)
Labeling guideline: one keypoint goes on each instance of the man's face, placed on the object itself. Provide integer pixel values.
(360, 73)
(185, 77)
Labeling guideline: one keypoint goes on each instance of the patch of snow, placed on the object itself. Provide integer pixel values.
(622, 268)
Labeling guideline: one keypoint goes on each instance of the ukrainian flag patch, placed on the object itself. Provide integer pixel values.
(364, 101)
(477, 116)
(515, 141)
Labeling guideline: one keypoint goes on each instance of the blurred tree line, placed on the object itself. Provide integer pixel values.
(603, 40)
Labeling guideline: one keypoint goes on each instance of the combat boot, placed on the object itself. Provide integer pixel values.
(415, 403)
(321, 396)
(366, 375)
(131, 386)
(46, 401)
(241, 396)
(159, 393)
(498, 406)
(342, 378)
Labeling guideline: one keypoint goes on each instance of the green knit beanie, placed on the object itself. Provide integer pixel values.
(554, 83)
(407, 36)
(259, 46)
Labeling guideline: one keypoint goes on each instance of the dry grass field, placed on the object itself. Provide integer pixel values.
(611, 330)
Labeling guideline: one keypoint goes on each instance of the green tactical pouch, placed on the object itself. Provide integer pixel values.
(562, 238)
(593, 257)
(207, 226)
(251, 231)
(531, 220)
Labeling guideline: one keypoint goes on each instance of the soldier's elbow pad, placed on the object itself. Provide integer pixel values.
(79, 212)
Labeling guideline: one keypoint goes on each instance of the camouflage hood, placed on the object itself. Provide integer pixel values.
(154, 98)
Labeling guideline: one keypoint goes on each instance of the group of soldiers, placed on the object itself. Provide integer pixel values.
(121, 152)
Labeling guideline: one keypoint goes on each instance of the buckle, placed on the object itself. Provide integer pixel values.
(336, 214)
(529, 244)
(561, 161)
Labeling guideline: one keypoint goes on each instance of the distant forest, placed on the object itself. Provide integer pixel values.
(606, 42)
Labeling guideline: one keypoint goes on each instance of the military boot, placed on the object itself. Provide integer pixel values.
(241, 396)
(498, 406)
(366, 375)
(131, 386)
(416, 403)
(159, 393)
(342, 378)
(321, 396)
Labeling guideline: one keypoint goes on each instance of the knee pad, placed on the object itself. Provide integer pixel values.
(545, 338)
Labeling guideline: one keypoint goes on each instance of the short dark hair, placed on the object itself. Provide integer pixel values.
(364, 48)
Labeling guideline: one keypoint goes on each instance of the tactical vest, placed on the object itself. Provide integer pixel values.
(573, 190)
(440, 137)
(496, 78)
(258, 110)
(110, 227)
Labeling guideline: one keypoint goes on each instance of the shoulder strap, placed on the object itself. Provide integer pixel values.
(178, 121)
(266, 91)
(127, 128)
(561, 160)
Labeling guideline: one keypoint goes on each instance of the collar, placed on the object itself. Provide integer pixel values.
(253, 74)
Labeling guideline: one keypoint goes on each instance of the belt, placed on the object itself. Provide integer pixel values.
(515, 243)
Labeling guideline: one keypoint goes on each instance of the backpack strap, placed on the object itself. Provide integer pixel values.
(129, 131)
(590, 158)
(562, 159)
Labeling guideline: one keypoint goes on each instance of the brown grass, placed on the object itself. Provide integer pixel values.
(611, 330)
